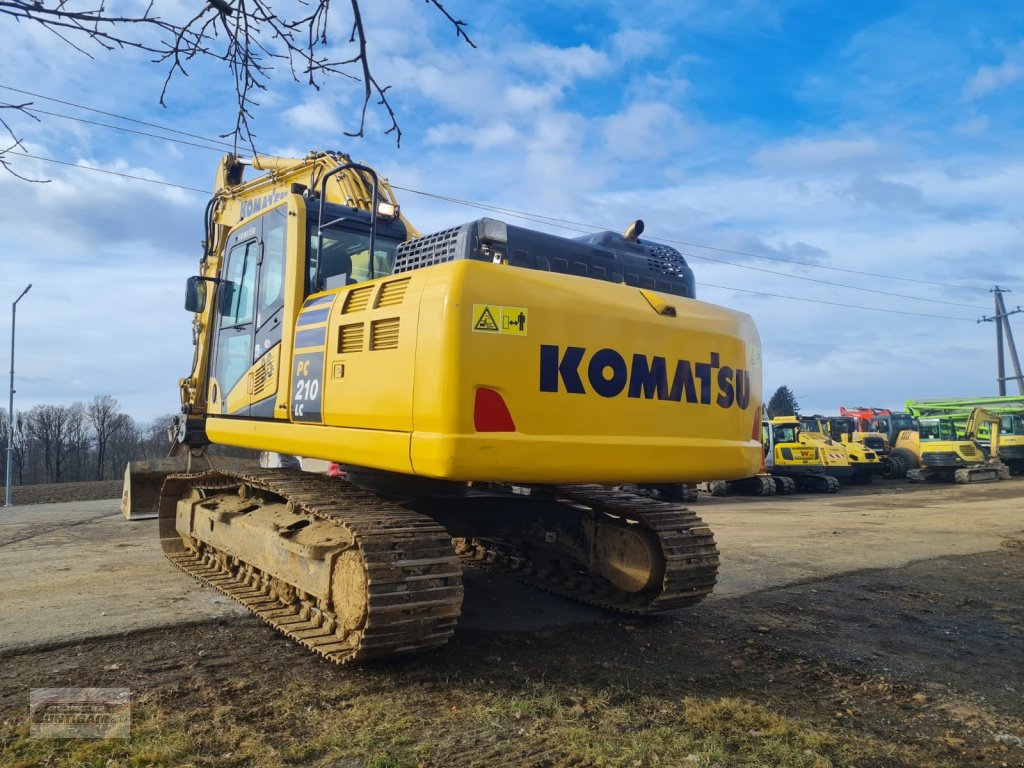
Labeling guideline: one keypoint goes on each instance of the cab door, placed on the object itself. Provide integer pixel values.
(233, 348)
(263, 380)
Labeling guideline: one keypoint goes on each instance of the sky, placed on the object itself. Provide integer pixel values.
(849, 174)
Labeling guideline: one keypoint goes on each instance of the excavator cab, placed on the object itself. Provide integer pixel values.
(338, 251)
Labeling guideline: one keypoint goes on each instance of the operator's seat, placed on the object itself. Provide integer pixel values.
(335, 267)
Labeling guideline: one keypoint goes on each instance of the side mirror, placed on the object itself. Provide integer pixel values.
(195, 294)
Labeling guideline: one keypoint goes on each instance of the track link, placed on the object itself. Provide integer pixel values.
(687, 544)
(413, 580)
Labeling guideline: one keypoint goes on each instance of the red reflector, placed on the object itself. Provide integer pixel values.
(490, 414)
(756, 433)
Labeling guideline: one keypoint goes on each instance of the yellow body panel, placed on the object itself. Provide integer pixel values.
(832, 454)
(602, 385)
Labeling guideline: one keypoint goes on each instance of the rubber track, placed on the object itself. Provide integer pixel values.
(414, 579)
(687, 544)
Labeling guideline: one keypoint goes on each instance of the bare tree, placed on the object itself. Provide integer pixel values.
(156, 441)
(123, 445)
(47, 427)
(102, 413)
(252, 38)
(78, 443)
(19, 444)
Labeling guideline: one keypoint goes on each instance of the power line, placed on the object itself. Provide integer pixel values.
(709, 285)
(828, 282)
(592, 228)
(834, 269)
(567, 224)
(835, 303)
(112, 173)
(34, 111)
(575, 226)
(119, 117)
(527, 216)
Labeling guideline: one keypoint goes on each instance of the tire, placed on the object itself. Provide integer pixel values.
(893, 468)
(719, 488)
(784, 485)
(907, 457)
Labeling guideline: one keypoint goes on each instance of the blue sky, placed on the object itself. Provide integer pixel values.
(880, 137)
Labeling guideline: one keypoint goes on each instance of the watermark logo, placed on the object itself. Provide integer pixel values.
(80, 713)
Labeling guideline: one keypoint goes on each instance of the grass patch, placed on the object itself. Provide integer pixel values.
(384, 721)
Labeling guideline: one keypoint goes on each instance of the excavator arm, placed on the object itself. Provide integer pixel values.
(981, 416)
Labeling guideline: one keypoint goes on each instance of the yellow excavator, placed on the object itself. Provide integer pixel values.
(864, 462)
(833, 456)
(946, 456)
(791, 458)
(485, 389)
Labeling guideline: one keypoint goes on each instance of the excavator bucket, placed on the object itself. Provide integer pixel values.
(140, 496)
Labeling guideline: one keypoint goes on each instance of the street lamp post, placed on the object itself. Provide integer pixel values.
(10, 408)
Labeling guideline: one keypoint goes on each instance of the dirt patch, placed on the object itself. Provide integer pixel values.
(912, 666)
(803, 657)
(56, 493)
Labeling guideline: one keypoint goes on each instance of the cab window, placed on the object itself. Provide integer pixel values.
(345, 258)
(241, 278)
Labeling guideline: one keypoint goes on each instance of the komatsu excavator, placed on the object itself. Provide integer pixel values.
(485, 389)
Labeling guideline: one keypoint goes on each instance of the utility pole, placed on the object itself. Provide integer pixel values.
(10, 408)
(1002, 321)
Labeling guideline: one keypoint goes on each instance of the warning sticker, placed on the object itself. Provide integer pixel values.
(493, 318)
(485, 318)
(513, 320)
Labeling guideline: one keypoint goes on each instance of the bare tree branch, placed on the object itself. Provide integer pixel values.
(247, 36)
(16, 142)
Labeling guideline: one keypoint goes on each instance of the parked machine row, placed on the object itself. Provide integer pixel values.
(932, 441)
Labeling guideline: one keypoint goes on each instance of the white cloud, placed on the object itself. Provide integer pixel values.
(820, 154)
(632, 44)
(313, 115)
(484, 137)
(974, 127)
(646, 131)
(988, 79)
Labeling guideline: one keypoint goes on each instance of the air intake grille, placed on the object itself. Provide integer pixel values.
(665, 259)
(424, 251)
(392, 293)
(262, 375)
(969, 450)
(384, 334)
(350, 338)
(357, 299)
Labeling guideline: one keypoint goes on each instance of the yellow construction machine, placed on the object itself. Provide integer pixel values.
(834, 456)
(861, 450)
(944, 455)
(485, 389)
(791, 458)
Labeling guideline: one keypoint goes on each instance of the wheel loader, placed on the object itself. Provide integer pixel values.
(485, 390)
